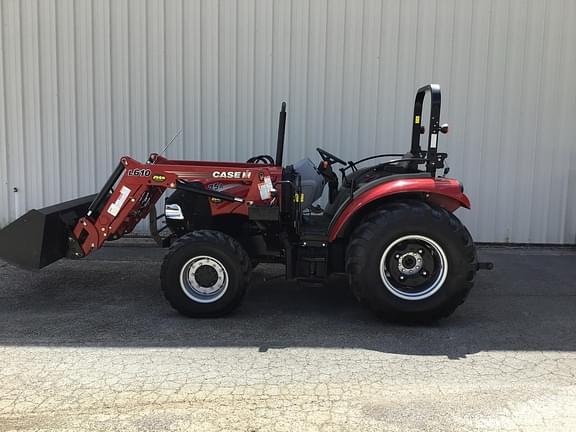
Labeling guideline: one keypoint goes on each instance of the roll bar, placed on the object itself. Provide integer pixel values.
(435, 102)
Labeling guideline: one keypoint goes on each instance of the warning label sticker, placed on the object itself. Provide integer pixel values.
(265, 188)
(115, 207)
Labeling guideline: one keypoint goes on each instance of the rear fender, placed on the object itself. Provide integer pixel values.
(446, 193)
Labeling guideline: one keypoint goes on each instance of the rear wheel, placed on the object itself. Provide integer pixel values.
(411, 262)
(205, 274)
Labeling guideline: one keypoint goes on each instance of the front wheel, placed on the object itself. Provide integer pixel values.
(411, 262)
(205, 274)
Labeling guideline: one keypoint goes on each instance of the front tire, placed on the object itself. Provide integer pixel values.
(411, 262)
(205, 274)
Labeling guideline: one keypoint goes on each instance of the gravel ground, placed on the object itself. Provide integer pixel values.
(92, 345)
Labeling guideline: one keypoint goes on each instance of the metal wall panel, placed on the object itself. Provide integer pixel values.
(83, 82)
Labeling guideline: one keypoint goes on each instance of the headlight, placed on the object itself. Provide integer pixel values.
(173, 211)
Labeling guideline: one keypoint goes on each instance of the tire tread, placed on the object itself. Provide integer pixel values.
(207, 236)
(395, 213)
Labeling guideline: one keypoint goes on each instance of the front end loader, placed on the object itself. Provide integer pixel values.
(389, 225)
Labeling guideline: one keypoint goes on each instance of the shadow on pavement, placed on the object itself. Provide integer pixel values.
(528, 303)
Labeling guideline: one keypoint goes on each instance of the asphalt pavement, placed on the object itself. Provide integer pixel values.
(92, 345)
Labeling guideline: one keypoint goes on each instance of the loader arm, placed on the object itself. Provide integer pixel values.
(134, 188)
(124, 200)
(74, 229)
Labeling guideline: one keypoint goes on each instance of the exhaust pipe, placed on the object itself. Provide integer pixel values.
(41, 237)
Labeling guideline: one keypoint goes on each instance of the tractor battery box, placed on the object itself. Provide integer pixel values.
(264, 213)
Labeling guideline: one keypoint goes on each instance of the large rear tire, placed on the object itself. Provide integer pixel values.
(205, 274)
(411, 262)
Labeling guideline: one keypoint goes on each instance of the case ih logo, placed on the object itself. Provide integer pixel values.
(232, 174)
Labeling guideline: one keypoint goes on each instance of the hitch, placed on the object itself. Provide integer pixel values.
(484, 266)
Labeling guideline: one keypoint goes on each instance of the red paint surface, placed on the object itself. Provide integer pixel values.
(444, 192)
(145, 192)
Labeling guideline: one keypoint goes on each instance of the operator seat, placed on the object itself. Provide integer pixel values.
(311, 181)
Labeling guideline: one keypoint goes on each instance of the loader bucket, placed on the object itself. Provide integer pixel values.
(40, 237)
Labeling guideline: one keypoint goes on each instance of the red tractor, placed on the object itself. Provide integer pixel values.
(389, 226)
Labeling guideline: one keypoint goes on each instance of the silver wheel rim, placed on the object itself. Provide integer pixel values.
(427, 262)
(204, 279)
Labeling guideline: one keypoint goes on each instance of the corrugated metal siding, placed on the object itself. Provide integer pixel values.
(84, 82)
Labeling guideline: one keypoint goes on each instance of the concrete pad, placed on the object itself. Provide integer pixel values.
(92, 345)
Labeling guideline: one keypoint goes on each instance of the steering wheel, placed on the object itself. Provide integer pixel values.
(329, 157)
(264, 159)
